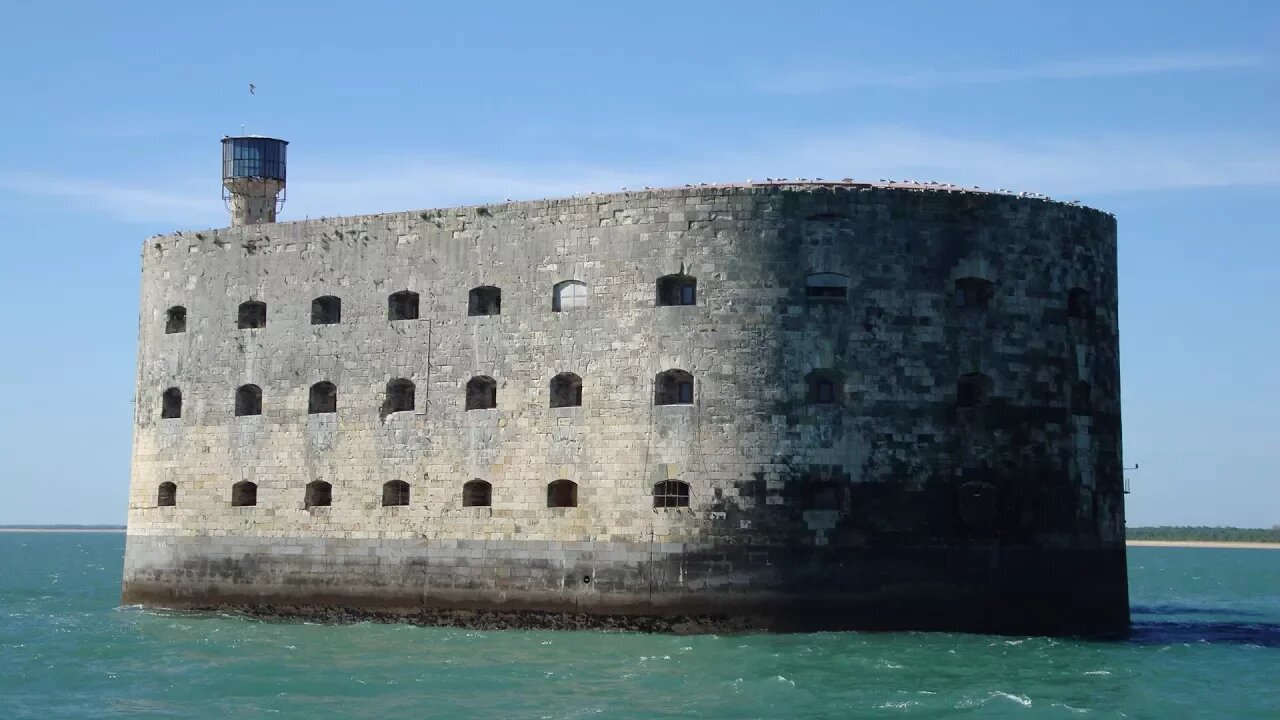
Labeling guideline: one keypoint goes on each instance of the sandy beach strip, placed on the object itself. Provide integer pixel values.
(1203, 544)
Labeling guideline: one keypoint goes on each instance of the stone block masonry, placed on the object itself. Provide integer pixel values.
(777, 406)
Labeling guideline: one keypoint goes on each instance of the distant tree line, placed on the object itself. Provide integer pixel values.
(1204, 533)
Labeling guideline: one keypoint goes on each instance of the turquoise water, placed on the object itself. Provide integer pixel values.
(1206, 644)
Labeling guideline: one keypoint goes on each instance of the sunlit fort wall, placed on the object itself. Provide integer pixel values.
(776, 405)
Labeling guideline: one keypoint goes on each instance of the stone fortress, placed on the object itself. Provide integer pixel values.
(780, 405)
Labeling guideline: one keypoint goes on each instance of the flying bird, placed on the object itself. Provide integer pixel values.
(252, 87)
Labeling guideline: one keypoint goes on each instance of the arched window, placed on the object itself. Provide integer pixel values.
(244, 494)
(825, 387)
(566, 390)
(482, 393)
(252, 315)
(671, 493)
(477, 493)
(826, 286)
(562, 493)
(972, 390)
(399, 396)
(326, 310)
(823, 495)
(167, 495)
(569, 295)
(323, 398)
(319, 494)
(402, 305)
(974, 292)
(1078, 305)
(248, 400)
(395, 493)
(678, 289)
(673, 387)
(1081, 399)
(171, 403)
(484, 300)
(175, 320)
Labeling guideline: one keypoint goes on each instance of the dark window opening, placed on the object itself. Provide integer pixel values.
(171, 403)
(244, 494)
(326, 310)
(395, 493)
(972, 390)
(978, 504)
(673, 387)
(175, 320)
(824, 387)
(402, 305)
(823, 495)
(252, 315)
(1081, 399)
(248, 400)
(1078, 305)
(569, 295)
(167, 495)
(477, 493)
(482, 393)
(399, 396)
(566, 390)
(323, 398)
(671, 493)
(972, 292)
(827, 286)
(677, 290)
(562, 493)
(484, 300)
(319, 494)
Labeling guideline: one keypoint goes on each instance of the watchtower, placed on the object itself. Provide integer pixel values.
(253, 178)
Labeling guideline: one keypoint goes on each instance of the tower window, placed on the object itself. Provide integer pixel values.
(175, 320)
(562, 493)
(569, 295)
(477, 493)
(673, 387)
(395, 493)
(678, 289)
(973, 292)
(319, 494)
(399, 396)
(484, 300)
(248, 400)
(566, 390)
(326, 310)
(972, 390)
(323, 398)
(482, 393)
(825, 387)
(823, 495)
(171, 404)
(244, 494)
(402, 305)
(826, 286)
(167, 495)
(252, 315)
(671, 493)
(1081, 399)
(1078, 305)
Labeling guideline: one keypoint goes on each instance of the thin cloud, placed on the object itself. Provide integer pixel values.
(810, 81)
(1063, 167)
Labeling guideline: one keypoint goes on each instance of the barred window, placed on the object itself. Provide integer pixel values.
(671, 493)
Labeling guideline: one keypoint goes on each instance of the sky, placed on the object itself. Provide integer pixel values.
(1165, 113)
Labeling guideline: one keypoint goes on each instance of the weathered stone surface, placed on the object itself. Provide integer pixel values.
(894, 507)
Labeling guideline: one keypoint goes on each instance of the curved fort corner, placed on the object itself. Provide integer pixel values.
(779, 406)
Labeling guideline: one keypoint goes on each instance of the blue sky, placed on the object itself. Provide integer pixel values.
(1164, 113)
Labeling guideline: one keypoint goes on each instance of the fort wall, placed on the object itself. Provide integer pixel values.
(964, 472)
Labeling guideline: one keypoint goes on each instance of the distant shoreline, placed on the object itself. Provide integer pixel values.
(60, 530)
(1203, 544)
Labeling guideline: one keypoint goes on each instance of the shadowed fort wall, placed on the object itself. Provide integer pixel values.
(893, 507)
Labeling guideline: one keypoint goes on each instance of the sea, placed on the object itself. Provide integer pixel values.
(1205, 644)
